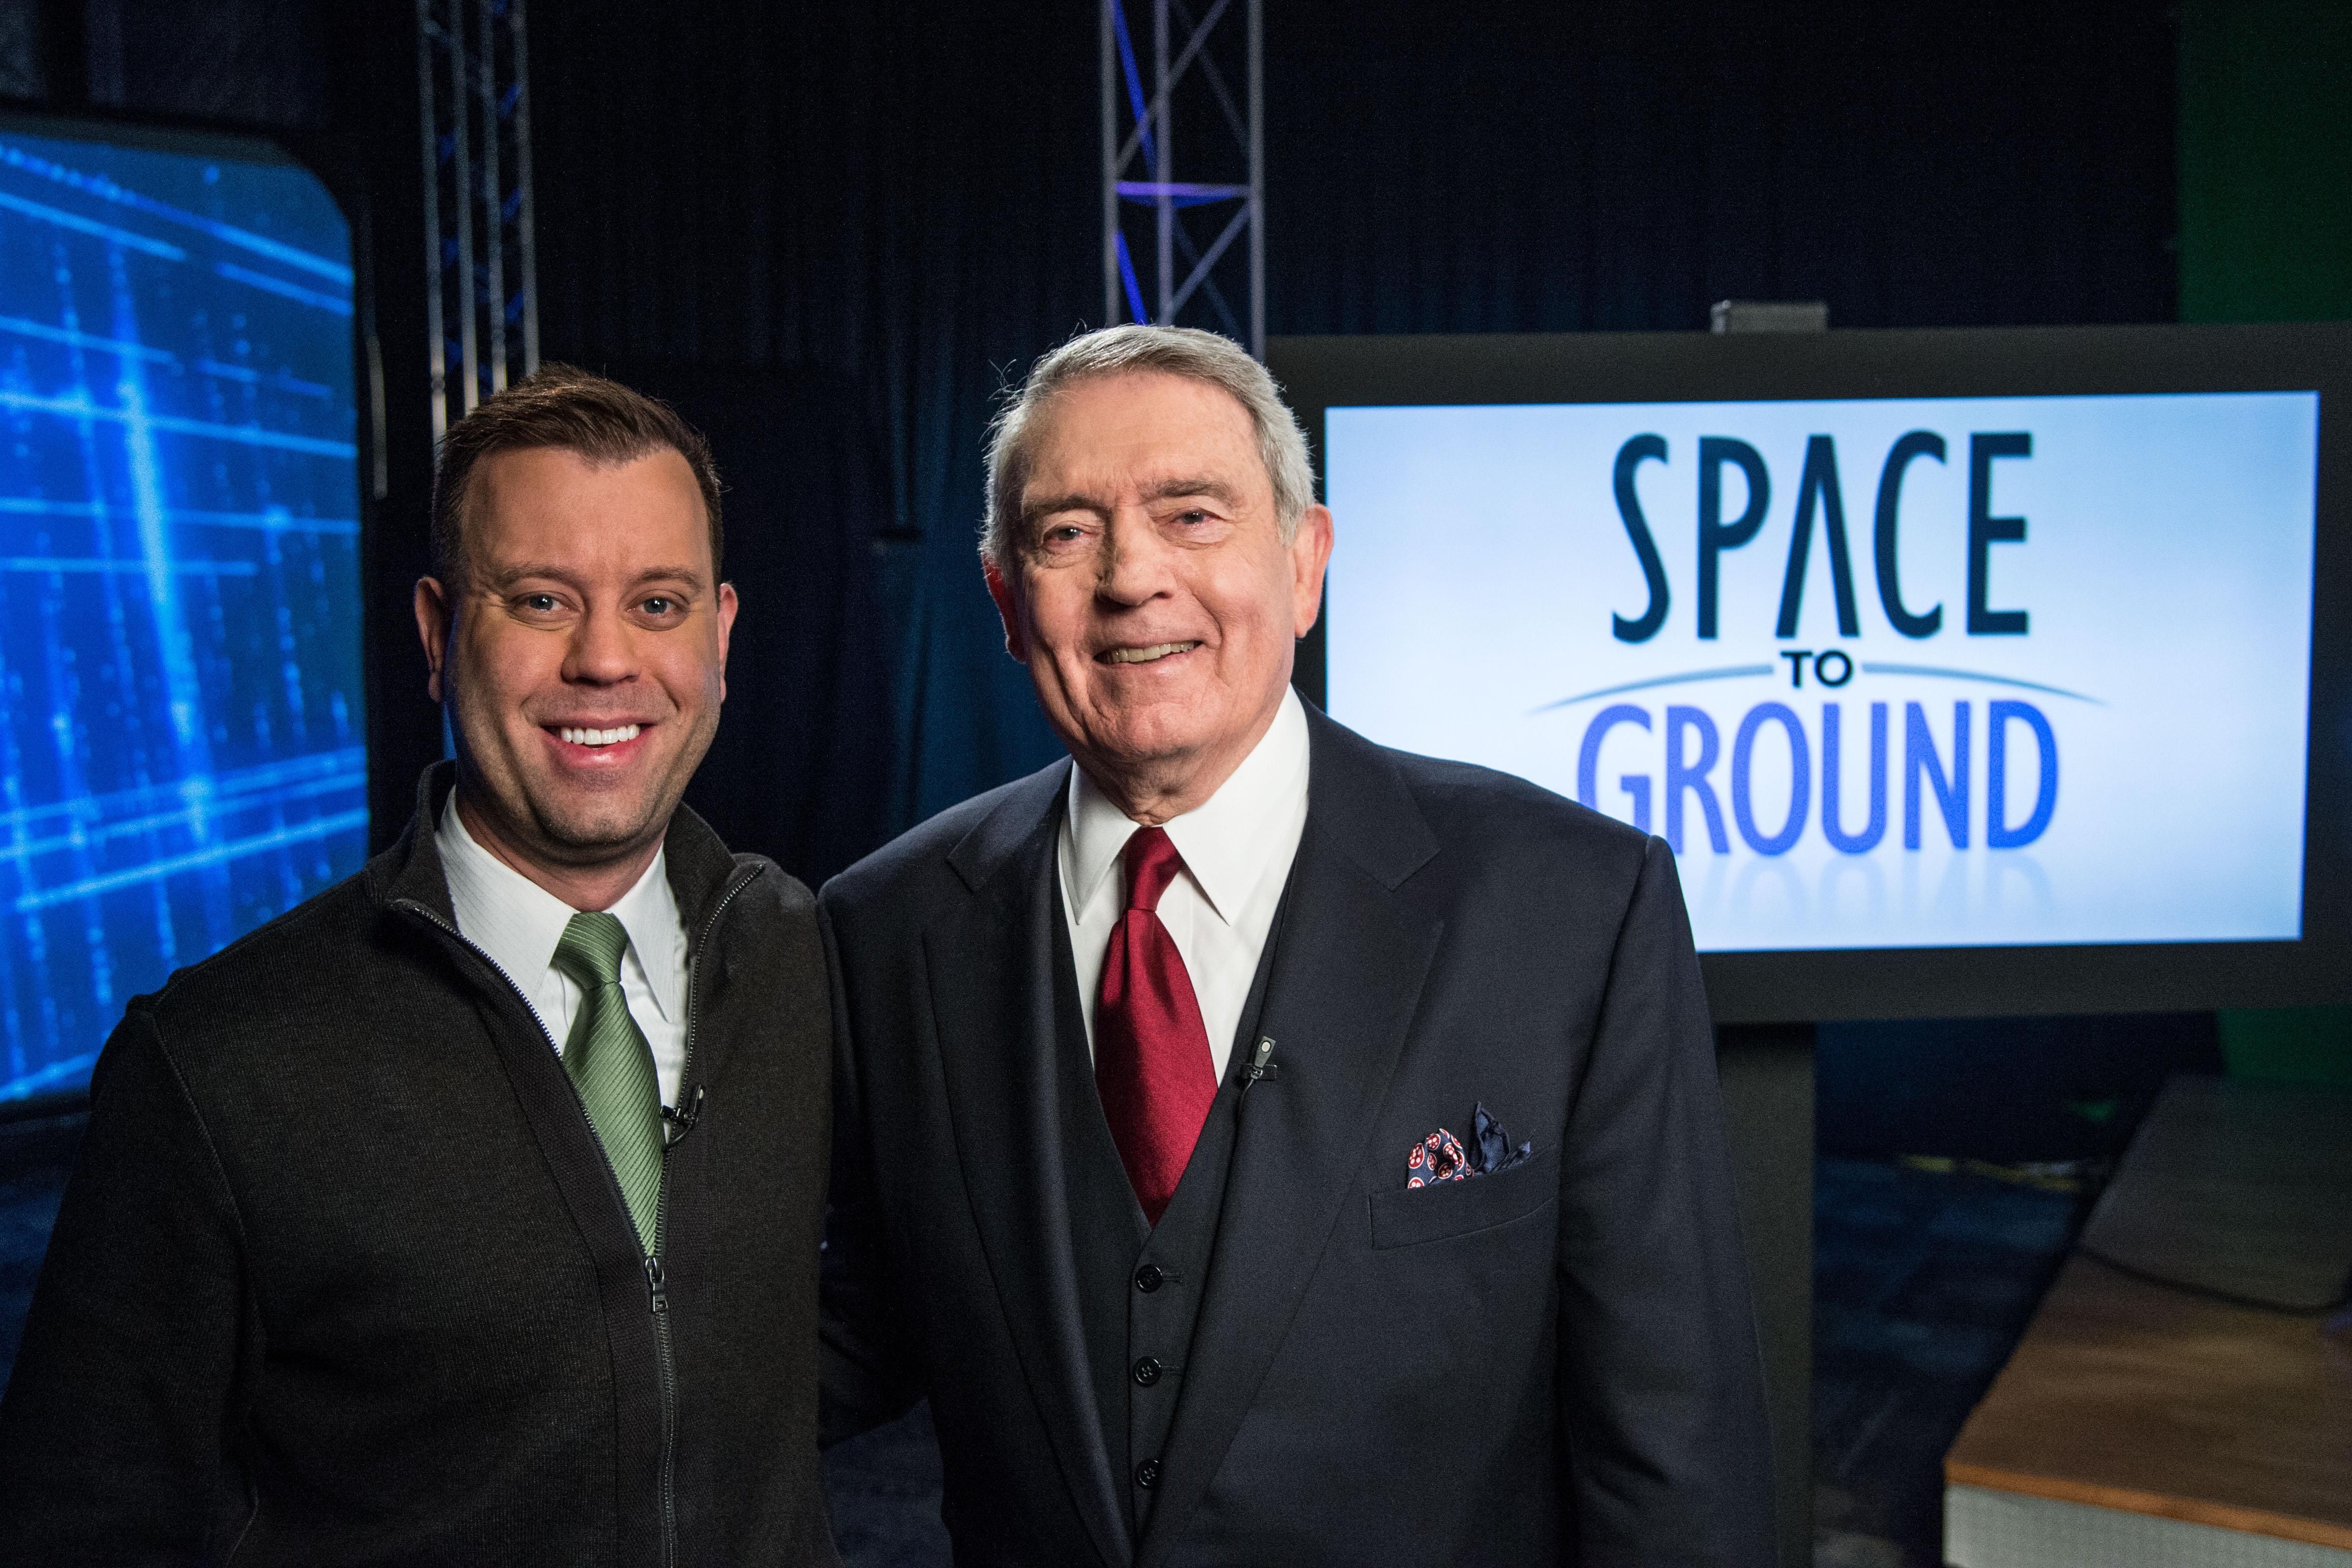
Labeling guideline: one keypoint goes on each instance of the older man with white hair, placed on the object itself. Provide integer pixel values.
(1262, 1146)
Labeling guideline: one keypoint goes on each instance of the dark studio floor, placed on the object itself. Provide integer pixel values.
(1923, 1281)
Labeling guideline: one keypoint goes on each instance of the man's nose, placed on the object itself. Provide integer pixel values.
(1135, 559)
(602, 650)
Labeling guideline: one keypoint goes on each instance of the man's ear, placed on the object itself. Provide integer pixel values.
(1008, 610)
(434, 611)
(728, 605)
(1310, 553)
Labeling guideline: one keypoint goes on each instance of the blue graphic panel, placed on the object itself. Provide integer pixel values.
(181, 725)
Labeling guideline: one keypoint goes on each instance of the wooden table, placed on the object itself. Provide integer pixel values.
(2142, 1424)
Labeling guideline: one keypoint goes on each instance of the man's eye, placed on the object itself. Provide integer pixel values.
(658, 606)
(542, 603)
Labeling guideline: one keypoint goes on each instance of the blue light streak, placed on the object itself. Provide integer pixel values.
(340, 304)
(252, 435)
(235, 850)
(86, 226)
(349, 765)
(57, 1075)
(280, 379)
(96, 831)
(1873, 666)
(1134, 85)
(107, 191)
(1180, 192)
(131, 568)
(84, 340)
(1135, 312)
(1728, 672)
(273, 519)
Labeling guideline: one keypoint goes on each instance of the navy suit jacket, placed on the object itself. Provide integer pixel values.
(1554, 1363)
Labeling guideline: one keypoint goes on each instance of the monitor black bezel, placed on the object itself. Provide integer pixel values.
(1820, 985)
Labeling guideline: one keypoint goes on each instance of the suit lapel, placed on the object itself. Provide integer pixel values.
(1347, 974)
(991, 975)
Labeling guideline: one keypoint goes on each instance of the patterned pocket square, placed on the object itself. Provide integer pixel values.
(1439, 1157)
(1436, 1158)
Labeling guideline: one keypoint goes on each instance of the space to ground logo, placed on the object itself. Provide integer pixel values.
(1936, 776)
(1918, 672)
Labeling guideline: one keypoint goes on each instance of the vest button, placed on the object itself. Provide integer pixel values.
(1146, 1474)
(1149, 1279)
(1147, 1373)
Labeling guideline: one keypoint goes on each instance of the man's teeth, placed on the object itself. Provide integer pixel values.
(599, 737)
(1146, 654)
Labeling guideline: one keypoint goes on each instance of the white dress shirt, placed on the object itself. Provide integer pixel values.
(1237, 849)
(518, 922)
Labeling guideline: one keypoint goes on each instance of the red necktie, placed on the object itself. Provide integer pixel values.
(1152, 1067)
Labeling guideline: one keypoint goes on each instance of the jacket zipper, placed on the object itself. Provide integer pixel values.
(411, 906)
(667, 1360)
(656, 1285)
(655, 1275)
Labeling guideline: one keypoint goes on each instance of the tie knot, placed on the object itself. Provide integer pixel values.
(590, 951)
(1151, 864)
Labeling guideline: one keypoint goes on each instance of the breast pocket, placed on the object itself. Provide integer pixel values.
(1407, 1216)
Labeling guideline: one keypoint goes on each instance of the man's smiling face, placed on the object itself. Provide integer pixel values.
(585, 652)
(1152, 596)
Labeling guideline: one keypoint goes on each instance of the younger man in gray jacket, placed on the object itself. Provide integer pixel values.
(470, 1212)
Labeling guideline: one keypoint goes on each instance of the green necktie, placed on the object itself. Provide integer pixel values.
(612, 1065)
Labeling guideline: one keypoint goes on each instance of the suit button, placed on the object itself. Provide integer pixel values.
(1146, 1474)
(1147, 1373)
(1149, 1279)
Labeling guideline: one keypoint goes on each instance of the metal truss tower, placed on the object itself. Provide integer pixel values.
(1194, 69)
(482, 299)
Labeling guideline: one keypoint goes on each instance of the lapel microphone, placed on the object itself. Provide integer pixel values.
(682, 1119)
(1261, 1064)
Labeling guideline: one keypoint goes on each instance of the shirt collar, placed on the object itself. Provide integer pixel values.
(648, 911)
(518, 922)
(1225, 840)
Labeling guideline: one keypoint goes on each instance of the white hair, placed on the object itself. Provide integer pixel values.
(1173, 351)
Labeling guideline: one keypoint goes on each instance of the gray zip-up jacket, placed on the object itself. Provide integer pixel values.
(342, 1276)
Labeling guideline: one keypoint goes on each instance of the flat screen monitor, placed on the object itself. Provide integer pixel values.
(182, 716)
(1965, 672)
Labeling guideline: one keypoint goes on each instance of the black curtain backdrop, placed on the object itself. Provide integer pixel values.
(893, 208)
(894, 200)
(1494, 167)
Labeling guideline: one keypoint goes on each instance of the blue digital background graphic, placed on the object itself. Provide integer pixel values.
(181, 706)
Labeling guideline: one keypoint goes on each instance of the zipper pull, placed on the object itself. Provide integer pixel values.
(654, 1282)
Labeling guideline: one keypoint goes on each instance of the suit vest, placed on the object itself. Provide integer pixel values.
(1139, 1286)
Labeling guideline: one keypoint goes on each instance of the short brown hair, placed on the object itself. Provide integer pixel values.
(570, 410)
